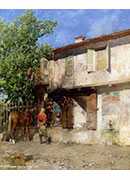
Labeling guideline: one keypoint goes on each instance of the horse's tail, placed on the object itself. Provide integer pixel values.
(10, 123)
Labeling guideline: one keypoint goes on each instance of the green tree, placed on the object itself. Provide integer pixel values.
(19, 51)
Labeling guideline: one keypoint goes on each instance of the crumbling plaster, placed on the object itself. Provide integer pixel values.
(113, 98)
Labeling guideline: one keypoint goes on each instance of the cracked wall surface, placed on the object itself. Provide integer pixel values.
(113, 93)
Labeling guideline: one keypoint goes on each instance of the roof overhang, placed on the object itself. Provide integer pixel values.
(86, 42)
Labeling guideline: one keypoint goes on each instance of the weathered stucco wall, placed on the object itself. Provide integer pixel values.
(80, 116)
(120, 61)
(77, 75)
(113, 106)
(116, 108)
(80, 132)
(75, 136)
(113, 96)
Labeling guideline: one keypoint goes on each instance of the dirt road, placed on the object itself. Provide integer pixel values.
(32, 155)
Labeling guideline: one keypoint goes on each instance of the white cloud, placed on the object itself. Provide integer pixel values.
(63, 37)
(106, 24)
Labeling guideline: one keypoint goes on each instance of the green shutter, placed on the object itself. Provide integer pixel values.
(69, 66)
(103, 59)
(90, 60)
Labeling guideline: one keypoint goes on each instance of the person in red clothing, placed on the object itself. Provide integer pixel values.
(42, 118)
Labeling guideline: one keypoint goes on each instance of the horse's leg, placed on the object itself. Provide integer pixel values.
(9, 124)
(25, 133)
(10, 128)
(29, 133)
(13, 131)
(28, 124)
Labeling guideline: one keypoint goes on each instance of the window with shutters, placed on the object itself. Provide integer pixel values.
(69, 66)
(103, 59)
(90, 60)
(69, 70)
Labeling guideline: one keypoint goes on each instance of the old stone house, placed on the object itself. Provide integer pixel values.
(96, 74)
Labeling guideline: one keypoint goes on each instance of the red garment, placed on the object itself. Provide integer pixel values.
(42, 117)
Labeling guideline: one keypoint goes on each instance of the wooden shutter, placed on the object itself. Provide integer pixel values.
(103, 59)
(69, 70)
(69, 66)
(90, 60)
(92, 112)
(67, 117)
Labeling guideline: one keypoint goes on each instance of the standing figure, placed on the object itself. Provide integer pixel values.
(56, 114)
(42, 119)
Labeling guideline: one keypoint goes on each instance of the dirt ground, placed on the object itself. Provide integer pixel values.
(54, 156)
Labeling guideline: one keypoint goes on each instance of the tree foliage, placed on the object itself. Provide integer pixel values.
(19, 51)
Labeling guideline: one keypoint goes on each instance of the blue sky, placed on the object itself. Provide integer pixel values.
(73, 23)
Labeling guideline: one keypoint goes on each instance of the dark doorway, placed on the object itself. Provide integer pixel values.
(85, 97)
(92, 111)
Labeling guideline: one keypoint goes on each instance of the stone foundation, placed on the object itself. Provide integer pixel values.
(74, 136)
(113, 105)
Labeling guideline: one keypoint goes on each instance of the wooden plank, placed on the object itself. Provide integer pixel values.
(92, 112)
(102, 59)
(91, 60)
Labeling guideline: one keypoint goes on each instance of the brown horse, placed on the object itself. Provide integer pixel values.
(21, 120)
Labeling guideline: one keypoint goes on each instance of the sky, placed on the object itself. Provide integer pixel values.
(72, 23)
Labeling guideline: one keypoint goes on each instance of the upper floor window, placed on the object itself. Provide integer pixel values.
(90, 60)
(69, 66)
(103, 59)
(98, 60)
